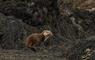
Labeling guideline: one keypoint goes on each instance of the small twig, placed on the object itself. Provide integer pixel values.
(75, 24)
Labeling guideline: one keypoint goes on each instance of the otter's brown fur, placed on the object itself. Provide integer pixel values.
(37, 38)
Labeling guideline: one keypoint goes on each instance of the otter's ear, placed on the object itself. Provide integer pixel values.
(43, 32)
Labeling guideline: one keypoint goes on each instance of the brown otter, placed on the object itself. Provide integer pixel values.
(36, 39)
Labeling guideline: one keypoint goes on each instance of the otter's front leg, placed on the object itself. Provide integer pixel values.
(48, 44)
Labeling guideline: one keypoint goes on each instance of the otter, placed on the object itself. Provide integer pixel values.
(36, 39)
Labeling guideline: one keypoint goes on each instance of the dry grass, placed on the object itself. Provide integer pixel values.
(26, 55)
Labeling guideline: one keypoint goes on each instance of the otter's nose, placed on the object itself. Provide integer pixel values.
(52, 34)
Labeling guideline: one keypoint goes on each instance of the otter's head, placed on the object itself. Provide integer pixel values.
(47, 34)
